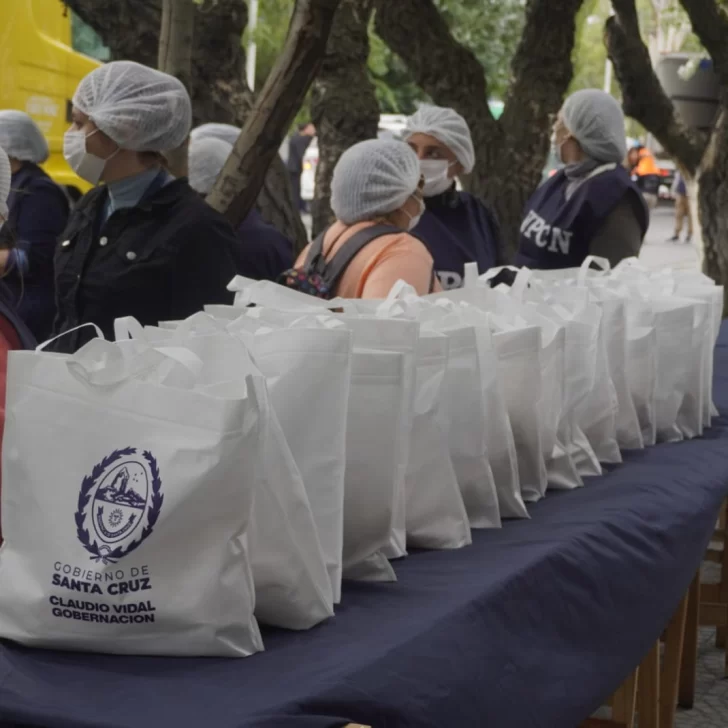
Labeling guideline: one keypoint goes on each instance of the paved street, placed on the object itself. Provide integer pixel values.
(657, 252)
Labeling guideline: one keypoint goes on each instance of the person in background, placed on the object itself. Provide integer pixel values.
(144, 244)
(591, 207)
(297, 146)
(38, 214)
(682, 209)
(262, 252)
(457, 228)
(645, 173)
(377, 182)
(14, 334)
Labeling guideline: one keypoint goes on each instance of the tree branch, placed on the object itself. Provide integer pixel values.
(710, 24)
(236, 189)
(643, 96)
(344, 104)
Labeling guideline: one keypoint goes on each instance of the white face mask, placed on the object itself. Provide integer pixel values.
(415, 219)
(87, 166)
(436, 174)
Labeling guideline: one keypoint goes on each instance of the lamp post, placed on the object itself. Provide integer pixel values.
(252, 47)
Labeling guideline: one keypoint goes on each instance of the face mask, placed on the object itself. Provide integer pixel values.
(557, 147)
(87, 166)
(435, 172)
(415, 219)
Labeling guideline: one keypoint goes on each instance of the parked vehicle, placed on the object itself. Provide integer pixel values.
(39, 74)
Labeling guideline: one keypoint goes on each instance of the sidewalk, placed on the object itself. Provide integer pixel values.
(657, 252)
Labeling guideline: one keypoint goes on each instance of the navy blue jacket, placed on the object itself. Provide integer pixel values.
(38, 215)
(557, 233)
(458, 229)
(262, 252)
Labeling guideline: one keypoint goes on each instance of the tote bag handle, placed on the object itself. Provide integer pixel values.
(47, 343)
(103, 363)
(603, 263)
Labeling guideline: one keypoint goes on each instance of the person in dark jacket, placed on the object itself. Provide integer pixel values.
(592, 206)
(457, 228)
(297, 146)
(261, 251)
(38, 214)
(14, 334)
(144, 244)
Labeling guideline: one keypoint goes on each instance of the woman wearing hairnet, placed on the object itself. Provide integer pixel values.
(456, 227)
(377, 182)
(262, 252)
(37, 216)
(144, 244)
(591, 207)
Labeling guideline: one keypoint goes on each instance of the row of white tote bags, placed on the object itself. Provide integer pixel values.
(164, 492)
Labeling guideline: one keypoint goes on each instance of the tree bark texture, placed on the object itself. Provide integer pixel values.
(131, 28)
(645, 100)
(175, 58)
(512, 151)
(642, 95)
(713, 203)
(274, 109)
(344, 105)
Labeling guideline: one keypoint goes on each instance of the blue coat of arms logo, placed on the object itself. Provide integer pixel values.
(119, 504)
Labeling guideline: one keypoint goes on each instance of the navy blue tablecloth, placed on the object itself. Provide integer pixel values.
(530, 627)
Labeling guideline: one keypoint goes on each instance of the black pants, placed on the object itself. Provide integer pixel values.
(296, 187)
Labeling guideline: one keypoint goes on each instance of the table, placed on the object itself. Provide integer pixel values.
(533, 626)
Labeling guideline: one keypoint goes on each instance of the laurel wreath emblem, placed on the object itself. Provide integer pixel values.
(103, 553)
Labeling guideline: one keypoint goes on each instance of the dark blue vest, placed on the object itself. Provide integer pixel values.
(458, 229)
(557, 233)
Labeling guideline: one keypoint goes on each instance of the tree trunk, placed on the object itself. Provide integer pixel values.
(512, 151)
(713, 203)
(274, 109)
(642, 95)
(645, 100)
(344, 104)
(130, 28)
(175, 58)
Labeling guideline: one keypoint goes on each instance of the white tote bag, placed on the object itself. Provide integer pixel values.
(465, 411)
(378, 409)
(500, 445)
(519, 372)
(292, 586)
(128, 535)
(614, 324)
(436, 514)
(690, 417)
(399, 336)
(308, 371)
(674, 328)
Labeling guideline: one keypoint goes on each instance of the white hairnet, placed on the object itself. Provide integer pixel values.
(448, 127)
(207, 157)
(137, 107)
(373, 178)
(225, 132)
(4, 185)
(596, 121)
(21, 138)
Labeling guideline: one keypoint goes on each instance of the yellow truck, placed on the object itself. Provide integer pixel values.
(39, 72)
